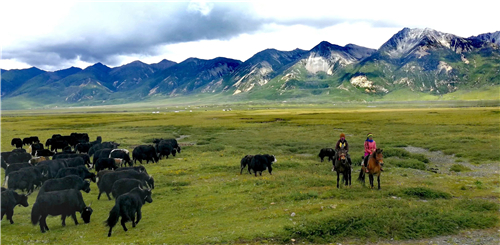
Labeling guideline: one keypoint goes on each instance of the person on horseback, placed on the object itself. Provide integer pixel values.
(342, 143)
(370, 147)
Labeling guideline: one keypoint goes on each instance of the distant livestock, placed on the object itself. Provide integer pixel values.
(105, 163)
(79, 171)
(65, 183)
(10, 199)
(144, 152)
(140, 169)
(123, 186)
(35, 147)
(26, 179)
(105, 183)
(127, 206)
(327, 152)
(245, 161)
(122, 154)
(44, 153)
(64, 203)
(17, 142)
(17, 157)
(260, 163)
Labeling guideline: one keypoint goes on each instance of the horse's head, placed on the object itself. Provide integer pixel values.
(342, 153)
(379, 157)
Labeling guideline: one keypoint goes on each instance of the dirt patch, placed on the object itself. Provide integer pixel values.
(442, 162)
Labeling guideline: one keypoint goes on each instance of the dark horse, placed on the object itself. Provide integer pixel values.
(374, 163)
(343, 167)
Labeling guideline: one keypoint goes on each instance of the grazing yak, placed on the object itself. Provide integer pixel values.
(11, 199)
(64, 203)
(102, 153)
(245, 161)
(165, 148)
(105, 183)
(85, 157)
(140, 169)
(127, 206)
(105, 163)
(26, 178)
(260, 163)
(327, 152)
(53, 166)
(16, 166)
(18, 157)
(123, 186)
(122, 154)
(80, 171)
(44, 153)
(17, 142)
(103, 172)
(144, 152)
(172, 142)
(103, 145)
(82, 148)
(35, 147)
(65, 183)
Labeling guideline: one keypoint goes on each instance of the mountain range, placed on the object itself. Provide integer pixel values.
(417, 60)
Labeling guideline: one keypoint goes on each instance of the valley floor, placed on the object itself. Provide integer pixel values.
(440, 184)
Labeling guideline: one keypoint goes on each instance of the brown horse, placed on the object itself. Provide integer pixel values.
(343, 167)
(374, 164)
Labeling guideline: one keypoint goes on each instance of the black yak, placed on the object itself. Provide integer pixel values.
(11, 199)
(260, 163)
(64, 203)
(127, 206)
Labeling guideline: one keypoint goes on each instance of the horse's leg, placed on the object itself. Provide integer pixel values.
(371, 180)
(378, 180)
(338, 177)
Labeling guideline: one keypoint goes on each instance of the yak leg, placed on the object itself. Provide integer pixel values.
(99, 196)
(9, 215)
(139, 216)
(74, 218)
(63, 218)
(123, 224)
(107, 194)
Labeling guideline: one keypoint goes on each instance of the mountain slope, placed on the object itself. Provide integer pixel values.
(14, 79)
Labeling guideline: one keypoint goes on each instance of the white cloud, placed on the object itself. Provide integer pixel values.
(56, 35)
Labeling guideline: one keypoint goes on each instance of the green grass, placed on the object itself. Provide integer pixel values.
(200, 197)
(459, 168)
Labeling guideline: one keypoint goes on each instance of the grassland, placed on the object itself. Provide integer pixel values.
(201, 198)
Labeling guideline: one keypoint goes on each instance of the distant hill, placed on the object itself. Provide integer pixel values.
(421, 61)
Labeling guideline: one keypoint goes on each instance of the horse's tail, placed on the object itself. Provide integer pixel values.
(35, 213)
(361, 177)
(114, 214)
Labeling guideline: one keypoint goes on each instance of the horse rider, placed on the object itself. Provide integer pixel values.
(342, 143)
(370, 147)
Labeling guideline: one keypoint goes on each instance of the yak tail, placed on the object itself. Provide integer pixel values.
(114, 214)
(361, 177)
(35, 213)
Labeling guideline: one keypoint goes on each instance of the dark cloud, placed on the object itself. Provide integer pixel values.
(101, 32)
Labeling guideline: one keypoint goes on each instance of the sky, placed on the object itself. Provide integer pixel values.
(55, 35)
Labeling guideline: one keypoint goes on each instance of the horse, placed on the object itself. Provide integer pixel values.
(342, 166)
(374, 161)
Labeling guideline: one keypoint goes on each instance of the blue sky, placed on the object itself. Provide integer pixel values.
(54, 35)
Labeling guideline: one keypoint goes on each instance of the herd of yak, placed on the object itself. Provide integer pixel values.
(60, 176)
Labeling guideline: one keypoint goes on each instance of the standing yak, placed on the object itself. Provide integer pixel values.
(11, 199)
(127, 206)
(64, 203)
(260, 163)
